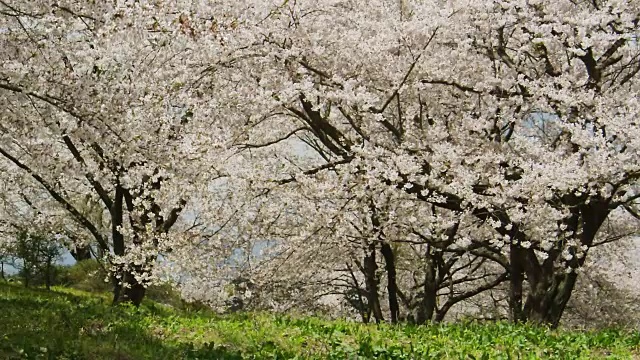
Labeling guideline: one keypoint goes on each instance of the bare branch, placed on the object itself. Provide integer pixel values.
(317, 170)
(269, 143)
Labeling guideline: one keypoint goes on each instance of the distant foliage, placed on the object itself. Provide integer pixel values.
(35, 256)
(87, 275)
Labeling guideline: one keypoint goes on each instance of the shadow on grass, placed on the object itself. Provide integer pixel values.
(38, 324)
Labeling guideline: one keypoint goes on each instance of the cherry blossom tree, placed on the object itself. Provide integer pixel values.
(341, 132)
(99, 107)
(520, 115)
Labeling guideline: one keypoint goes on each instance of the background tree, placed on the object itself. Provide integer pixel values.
(4, 260)
(34, 256)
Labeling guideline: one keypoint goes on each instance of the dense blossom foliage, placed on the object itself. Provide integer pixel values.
(99, 107)
(327, 147)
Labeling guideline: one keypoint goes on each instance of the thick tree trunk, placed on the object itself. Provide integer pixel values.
(546, 303)
(392, 286)
(126, 289)
(560, 300)
(134, 291)
(371, 282)
(551, 287)
(427, 305)
(129, 290)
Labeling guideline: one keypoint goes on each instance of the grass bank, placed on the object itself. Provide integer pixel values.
(68, 324)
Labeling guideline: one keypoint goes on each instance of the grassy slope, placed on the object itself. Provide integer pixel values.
(68, 324)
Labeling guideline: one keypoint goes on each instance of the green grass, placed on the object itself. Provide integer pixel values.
(69, 324)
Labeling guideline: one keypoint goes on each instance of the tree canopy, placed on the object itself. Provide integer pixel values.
(441, 149)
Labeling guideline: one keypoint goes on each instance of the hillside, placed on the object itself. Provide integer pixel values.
(67, 324)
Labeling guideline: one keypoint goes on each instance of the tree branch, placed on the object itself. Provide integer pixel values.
(67, 205)
(290, 134)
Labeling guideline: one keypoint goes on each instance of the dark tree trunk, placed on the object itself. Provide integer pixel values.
(128, 289)
(561, 298)
(81, 253)
(427, 305)
(118, 243)
(132, 291)
(359, 301)
(47, 275)
(546, 303)
(551, 287)
(27, 278)
(392, 286)
(371, 282)
(516, 284)
(134, 295)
